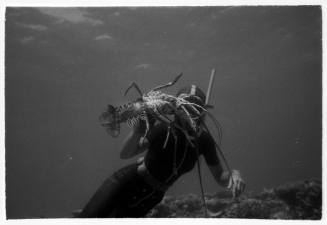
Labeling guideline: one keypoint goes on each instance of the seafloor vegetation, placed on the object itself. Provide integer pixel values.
(299, 200)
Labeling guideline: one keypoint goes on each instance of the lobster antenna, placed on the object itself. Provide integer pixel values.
(133, 85)
(212, 76)
(201, 184)
(169, 84)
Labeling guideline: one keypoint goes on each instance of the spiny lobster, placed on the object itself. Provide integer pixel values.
(153, 104)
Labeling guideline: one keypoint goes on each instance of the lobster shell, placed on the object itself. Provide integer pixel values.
(109, 119)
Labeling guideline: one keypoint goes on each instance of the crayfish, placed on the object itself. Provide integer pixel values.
(151, 105)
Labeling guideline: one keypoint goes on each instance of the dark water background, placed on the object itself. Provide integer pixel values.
(63, 65)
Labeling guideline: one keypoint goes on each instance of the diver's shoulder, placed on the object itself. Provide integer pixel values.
(156, 131)
(160, 126)
(206, 137)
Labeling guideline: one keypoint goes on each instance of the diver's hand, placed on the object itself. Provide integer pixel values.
(236, 183)
(135, 142)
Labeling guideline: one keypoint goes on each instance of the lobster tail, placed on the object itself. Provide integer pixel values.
(109, 119)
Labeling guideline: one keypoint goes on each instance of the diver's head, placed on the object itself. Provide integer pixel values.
(195, 95)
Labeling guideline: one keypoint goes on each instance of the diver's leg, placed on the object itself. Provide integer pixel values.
(109, 198)
(103, 201)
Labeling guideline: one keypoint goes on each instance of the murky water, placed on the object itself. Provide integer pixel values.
(64, 65)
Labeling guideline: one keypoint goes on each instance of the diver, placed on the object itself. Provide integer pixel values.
(137, 188)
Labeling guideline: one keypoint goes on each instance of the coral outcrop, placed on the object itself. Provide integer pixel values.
(299, 200)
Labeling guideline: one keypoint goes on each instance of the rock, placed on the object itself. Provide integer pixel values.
(299, 200)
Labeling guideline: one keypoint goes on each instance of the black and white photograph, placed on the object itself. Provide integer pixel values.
(209, 111)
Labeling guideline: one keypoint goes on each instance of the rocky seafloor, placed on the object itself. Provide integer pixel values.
(298, 200)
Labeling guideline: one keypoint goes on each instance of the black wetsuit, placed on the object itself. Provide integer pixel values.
(126, 194)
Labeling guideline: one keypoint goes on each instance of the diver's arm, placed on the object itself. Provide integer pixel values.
(214, 163)
(225, 178)
(221, 176)
(133, 145)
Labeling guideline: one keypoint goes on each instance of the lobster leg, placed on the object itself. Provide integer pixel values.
(147, 124)
(197, 105)
(192, 122)
(175, 153)
(187, 136)
(161, 117)
(133, 84)
(167, 137)
(169, 84)
(174, 169)
(164, 119)
(194, 109)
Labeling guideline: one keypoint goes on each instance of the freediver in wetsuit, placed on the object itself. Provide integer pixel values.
(135, 189)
